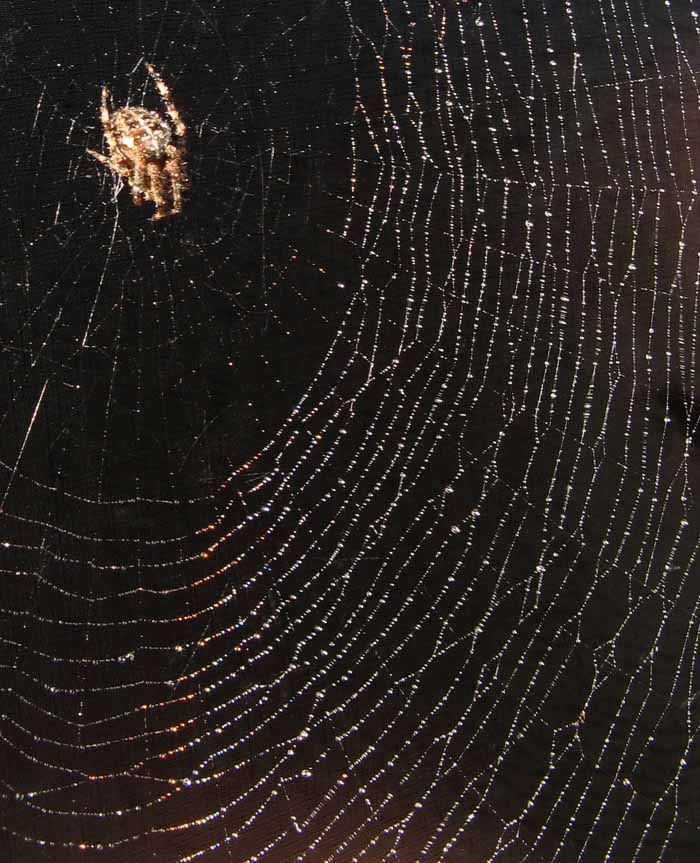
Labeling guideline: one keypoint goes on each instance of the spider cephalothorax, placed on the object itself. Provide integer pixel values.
(147, 151)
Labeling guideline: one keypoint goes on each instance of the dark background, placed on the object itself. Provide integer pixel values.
(353, 514)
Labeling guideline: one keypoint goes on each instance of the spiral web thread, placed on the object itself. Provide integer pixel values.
(353, 516)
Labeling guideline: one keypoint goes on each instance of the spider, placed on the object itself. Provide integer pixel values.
(141, 150)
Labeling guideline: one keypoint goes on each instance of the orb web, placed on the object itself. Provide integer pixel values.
(352, 515)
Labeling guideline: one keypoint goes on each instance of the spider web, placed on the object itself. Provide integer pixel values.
(352, 515)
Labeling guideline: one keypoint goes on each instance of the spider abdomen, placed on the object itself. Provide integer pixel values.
(140, 130)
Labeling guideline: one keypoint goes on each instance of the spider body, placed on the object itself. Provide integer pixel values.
(141, 134)
(147, 150)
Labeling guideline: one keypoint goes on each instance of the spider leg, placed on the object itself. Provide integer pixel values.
(173, 113)
(140, 182)
(177, 196)
(177, 176)
(105, 160)
(118, 166)
(176, 165)
(106, 119)
(157, 192)
(115, 163)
